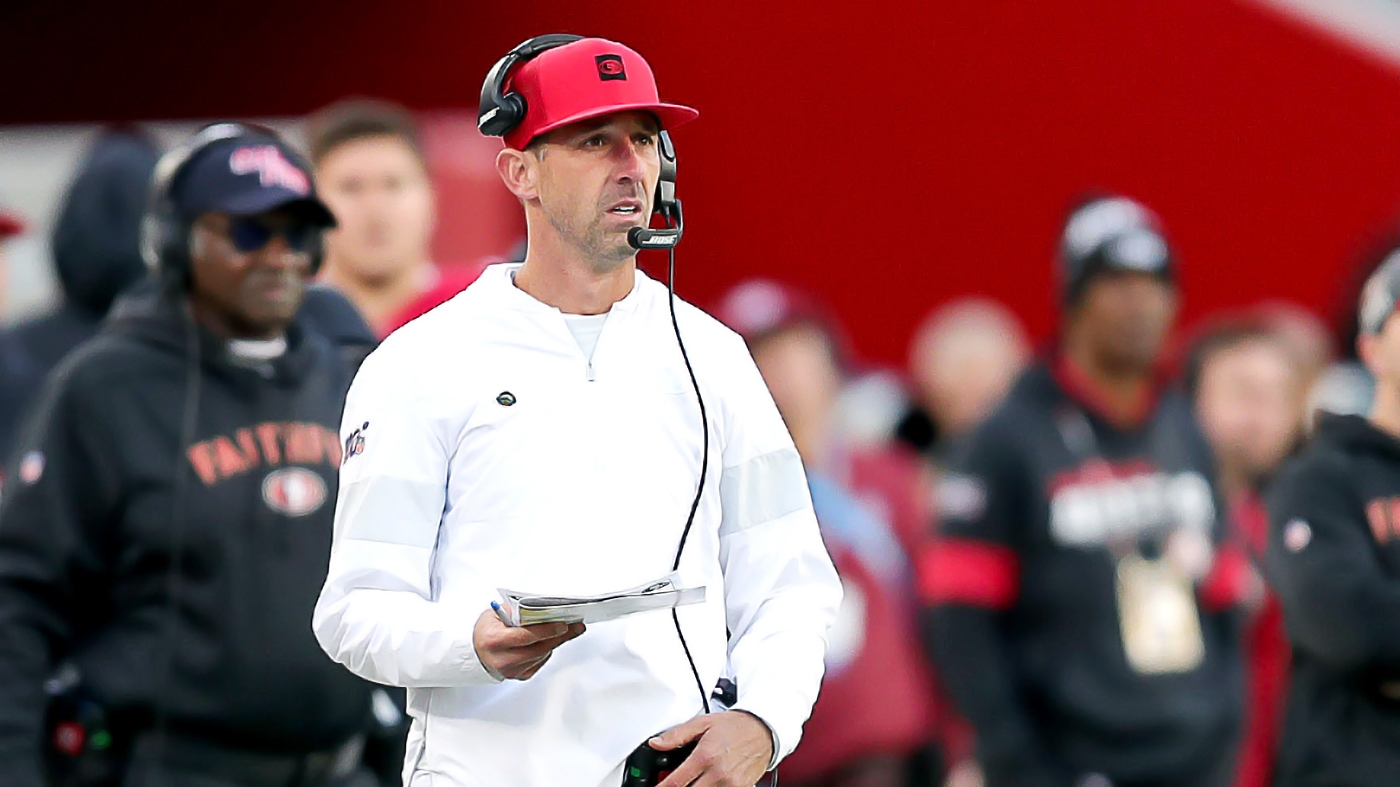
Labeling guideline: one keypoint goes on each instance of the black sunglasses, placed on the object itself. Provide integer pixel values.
(250, 234)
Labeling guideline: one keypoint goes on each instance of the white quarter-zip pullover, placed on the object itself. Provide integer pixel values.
(484, 450)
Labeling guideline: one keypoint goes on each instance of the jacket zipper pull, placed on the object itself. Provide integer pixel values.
(590, 370)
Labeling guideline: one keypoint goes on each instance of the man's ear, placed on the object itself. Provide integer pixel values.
(519, 170)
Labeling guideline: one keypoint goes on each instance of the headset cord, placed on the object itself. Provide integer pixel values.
(174, 579)
(704, 460)
(704, 467)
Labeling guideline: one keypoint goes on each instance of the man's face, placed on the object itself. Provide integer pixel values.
(1126, 317)
(963, 369)
(801, 373)
(1246, 402)
(383, 205)
(249, 273)
(596, 180)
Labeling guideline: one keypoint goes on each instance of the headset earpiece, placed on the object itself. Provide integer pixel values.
(498, 111)
(666, 184)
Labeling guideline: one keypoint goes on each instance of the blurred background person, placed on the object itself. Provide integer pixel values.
(1345, 386)
(1334, 560)
(372, 172)
(1246, 383)
(96, 254)
(163, 537)
(871, 721)
(962, 362)
(1070, 604)
(1309, 342)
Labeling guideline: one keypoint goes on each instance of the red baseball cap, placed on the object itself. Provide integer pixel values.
(586, 79)
(10, 225)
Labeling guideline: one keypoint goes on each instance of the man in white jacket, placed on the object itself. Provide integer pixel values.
(541, 431)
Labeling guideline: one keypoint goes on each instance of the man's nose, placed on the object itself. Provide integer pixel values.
(630, 157)
(278, 253)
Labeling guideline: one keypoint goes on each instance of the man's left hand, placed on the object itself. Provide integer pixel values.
(733, 750)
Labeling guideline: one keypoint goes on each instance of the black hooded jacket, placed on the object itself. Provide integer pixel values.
(96, 251)
(172, 546)
(1334, 559)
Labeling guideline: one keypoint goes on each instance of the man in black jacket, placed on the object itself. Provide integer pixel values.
(1076, 606)
(1334, 559)
(165, 529)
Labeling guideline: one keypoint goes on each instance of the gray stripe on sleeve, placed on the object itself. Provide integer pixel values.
(390, 510)
(762, 489)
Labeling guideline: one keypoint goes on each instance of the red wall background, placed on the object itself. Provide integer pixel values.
(889, 154)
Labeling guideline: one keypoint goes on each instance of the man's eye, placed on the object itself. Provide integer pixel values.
(646, 140)
(595, 142)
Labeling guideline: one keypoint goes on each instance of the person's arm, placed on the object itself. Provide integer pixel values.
(781, 591)
(377, 614)
(1340, 604)
(968, 578)
(58, 499)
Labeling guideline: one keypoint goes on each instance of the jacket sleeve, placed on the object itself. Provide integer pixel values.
(377, 613)
(1339, 603)
(781, 591)
(968, 578)
(59, 502)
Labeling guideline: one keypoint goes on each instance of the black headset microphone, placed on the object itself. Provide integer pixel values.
(498, 114)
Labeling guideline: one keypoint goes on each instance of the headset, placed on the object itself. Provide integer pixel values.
(165, 234)
(500, 112)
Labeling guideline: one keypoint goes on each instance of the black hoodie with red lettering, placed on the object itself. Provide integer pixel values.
(1022, 582)
(1334, 559)
(172, 546)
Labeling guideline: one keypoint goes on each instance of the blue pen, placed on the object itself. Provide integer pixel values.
(501, 613)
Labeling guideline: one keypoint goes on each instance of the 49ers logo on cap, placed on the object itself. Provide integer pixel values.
(272, 167)
(610, 67)
(293, 491)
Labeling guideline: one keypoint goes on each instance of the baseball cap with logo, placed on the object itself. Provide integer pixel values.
(587, 79)
(1112, 234)
(245, 177)
(1380, 295)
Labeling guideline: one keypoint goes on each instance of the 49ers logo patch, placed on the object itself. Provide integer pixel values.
(610, 67)
(293, 491)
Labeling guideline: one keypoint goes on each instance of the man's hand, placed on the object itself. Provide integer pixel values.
(518, 652)
(734, 750)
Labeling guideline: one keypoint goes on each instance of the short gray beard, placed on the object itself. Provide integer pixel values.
(600, 256)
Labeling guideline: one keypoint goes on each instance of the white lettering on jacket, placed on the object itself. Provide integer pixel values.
(1094, 505)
